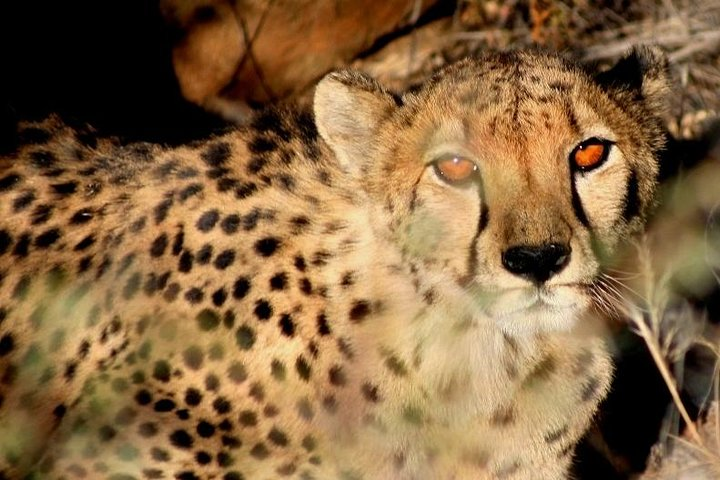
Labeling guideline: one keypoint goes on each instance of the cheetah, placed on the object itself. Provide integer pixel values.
(380, 286)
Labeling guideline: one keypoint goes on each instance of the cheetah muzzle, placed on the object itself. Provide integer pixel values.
(391, 286)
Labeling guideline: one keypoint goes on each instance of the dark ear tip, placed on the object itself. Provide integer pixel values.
(355, 79)
(650, 57)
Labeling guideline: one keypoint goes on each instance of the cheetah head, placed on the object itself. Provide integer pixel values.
(512, 176)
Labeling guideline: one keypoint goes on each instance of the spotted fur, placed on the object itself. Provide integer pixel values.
(307, 298)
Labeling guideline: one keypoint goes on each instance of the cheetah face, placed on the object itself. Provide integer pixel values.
(512, 177)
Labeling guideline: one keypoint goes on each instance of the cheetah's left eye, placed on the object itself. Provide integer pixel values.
(590, 154)
(455, 170)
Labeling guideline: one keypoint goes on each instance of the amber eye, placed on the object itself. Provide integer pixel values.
(455, 170)
(590, 154)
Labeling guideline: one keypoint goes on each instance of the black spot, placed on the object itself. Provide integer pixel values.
(193, 357)
(161, 210)
(85, 264)
(148, 429)
(305, 286)
(249, 221)
(204, 254)
(171, 292)
(245, 337)
(237, 372)
(159, 245)
(370, 392)
(278, 281)
(9, 181)
(143, 397)
(181, 439)
(248, 418)
(221, 405)
(224, 184)
(287, 326)
(219, 297)
(41, 214)
(159, 455)
(396, 365)
(178, 243)
(193, 397)
(303, 368)
(138, 225)
(224, 259)
(266, 246)
(6, 344)
(229, 319)
(132, 286)
(321, 258)
(189, 191)
(43, 159)
(260, 145)
(322, 325)
(84, 243)
(23, 201)
(22, 245)
(300, 263)
(241, 288)
(359, 311)
(194, 295)
(46, 239)
(205, 429)
(348, 279)
(207, 220)
(5, 241)
(186, 475)
(235, 476)
(245, 190)
(337, 376)
(81, 216)
(278, 437)
(161, 371)
(164, 405)
(106, 433)
(299, 224)
(203, 458)
(263, 310)
(259, 451)
(230, 224)
(67, 188)
(216, 154)
(207, 320)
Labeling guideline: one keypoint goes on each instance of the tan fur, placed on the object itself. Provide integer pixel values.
(280, 304)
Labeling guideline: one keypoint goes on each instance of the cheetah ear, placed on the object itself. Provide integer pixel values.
(349, 107)
(643, 70)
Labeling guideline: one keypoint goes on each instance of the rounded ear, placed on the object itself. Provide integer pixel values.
(643, 70)
(349, 107)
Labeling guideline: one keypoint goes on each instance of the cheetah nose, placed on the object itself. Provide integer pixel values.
(536, 263)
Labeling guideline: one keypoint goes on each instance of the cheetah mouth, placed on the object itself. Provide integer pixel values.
(544, 308)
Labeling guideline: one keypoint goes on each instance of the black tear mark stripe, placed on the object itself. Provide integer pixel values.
(483, 219)
(631, 208)
(577, 203)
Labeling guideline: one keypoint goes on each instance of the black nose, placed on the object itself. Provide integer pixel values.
(536, 263)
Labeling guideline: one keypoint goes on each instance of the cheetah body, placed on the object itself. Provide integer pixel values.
(308, 298)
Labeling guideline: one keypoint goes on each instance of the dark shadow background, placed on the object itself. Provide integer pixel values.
(104, 62)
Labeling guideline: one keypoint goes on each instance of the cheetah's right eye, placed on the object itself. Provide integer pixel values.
(455, 170)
